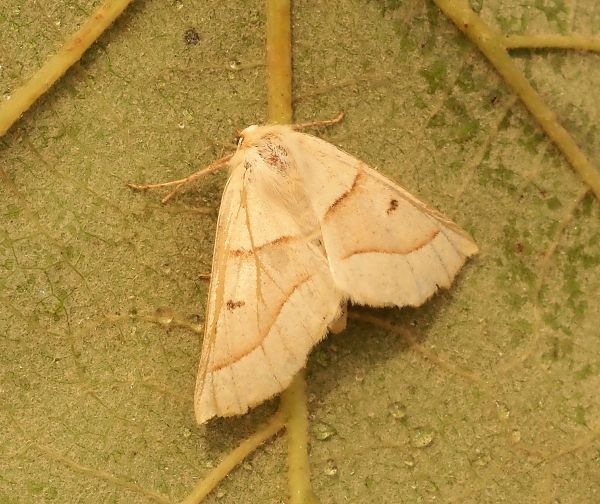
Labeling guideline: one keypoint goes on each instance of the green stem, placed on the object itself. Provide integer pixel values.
(54, 68)
(279, 92)
(279, 61)
(293, 405)
(552, 41)
(235, 457)
(491, 44)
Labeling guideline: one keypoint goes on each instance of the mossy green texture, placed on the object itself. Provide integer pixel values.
(499, 402)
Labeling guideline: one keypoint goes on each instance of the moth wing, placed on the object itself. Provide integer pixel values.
(271, 299)
(384, 246)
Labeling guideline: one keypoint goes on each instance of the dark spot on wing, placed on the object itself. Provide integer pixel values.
(232, 305)
(393, 206)
(318, 244)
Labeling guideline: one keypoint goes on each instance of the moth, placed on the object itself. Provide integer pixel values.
(303, 229)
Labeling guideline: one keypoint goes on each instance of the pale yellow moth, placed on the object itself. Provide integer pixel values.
(304, 228)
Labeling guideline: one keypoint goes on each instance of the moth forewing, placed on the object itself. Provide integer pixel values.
(271, 295)
(303, 227)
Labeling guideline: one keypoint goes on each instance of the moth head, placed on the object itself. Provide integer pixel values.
(254, 135)
(247, 136)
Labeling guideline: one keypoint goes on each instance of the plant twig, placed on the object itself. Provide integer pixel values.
(491, 44)
(552, 41)
(279, 93)
(235, 457)
(55, 67)
(279, 61)
(293, 405)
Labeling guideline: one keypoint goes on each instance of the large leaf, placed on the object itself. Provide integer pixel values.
(496, 398)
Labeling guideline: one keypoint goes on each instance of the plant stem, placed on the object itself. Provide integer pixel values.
(552, 41)
(235, 457)
(491, 44)
(279, 61)
(293, 405)
(54, 68)
(279, 92)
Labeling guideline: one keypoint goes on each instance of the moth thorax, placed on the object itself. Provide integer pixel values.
(275, 155)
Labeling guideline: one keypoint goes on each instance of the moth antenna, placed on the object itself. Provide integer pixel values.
(319, 124)
(213, 167)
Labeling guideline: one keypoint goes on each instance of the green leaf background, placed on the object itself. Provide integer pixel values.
(498, 402)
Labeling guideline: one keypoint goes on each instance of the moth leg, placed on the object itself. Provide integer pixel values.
(213, 167)
(319, 124)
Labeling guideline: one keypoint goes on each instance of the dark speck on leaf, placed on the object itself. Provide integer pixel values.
(191, 37)
(392, 207)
